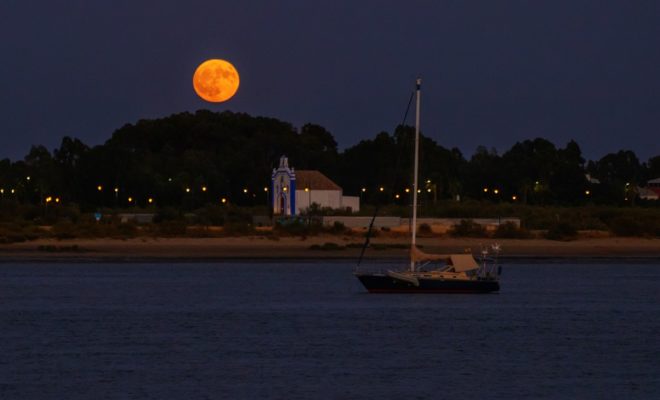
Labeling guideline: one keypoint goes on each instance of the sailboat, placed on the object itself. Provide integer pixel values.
(456, 273)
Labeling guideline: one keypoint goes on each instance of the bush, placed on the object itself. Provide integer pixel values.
(297, 227)
(127, 230)
(510, 230)
(338, 228)
(237, 229)
(167, 214)
(64, 230)
(172, 228)
(561, 231)
(468, 228)
(327, 246)
(424, 229)
(631, 226)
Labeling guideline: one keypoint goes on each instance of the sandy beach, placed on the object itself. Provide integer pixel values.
(258, 247)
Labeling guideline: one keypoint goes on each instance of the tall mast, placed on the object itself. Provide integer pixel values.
(413, 226)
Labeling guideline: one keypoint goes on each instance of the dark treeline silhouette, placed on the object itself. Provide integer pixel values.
(187, 160)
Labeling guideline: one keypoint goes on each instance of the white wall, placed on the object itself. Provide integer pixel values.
(324, 198)
(351, 201)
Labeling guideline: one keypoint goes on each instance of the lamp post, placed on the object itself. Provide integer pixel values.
(309, 198)
(268, 207)
(188, 200)
(99, 188)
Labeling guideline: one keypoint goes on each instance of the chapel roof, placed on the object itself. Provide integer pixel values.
(314, 180)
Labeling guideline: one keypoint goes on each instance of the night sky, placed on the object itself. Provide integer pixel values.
(495, 72)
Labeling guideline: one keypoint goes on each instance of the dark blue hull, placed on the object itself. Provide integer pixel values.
(380, 283)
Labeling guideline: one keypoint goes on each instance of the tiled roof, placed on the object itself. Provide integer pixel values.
(314, 180)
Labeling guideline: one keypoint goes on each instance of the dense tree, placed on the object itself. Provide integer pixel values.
(653, 168)
(190, 159)
(619, 174)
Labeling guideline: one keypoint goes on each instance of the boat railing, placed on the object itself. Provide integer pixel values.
(488, 267)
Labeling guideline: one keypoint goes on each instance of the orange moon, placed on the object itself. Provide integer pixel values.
(216, 80)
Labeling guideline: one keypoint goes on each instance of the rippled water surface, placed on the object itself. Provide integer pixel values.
(297, 330)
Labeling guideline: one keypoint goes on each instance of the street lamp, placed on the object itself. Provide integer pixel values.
(99, 188)
(309, 197)
(266, 198)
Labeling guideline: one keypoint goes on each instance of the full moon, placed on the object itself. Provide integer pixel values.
(216, 80)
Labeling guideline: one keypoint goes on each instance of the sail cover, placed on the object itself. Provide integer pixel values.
(460, 262)
(463, 262)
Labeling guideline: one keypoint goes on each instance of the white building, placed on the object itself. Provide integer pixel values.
(651, 191)
(308, 187)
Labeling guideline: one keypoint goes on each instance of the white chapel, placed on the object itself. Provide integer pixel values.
(295, 191)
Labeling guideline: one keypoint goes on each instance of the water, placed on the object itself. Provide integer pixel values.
(299, 330)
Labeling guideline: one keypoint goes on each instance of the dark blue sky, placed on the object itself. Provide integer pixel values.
(495, 72)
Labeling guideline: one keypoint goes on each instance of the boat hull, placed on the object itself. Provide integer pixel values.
(380, 283)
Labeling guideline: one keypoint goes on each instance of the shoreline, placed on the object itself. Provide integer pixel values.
(295, 248)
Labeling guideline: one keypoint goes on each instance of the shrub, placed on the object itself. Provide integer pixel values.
(424, 229)
(338, 227)
(212, 215)
(561, 231)
(127, 230)
(167, 214)
(510, 230)
(64, 230)
(327, 246)
(631, 226)
(468, 228)
(172, 228)
(237, 228)
(297, 227)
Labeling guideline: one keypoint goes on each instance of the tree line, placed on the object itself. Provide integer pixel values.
(187, 160)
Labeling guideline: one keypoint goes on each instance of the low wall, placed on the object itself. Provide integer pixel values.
(363, 222)
(393, 222)
(140, 218)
